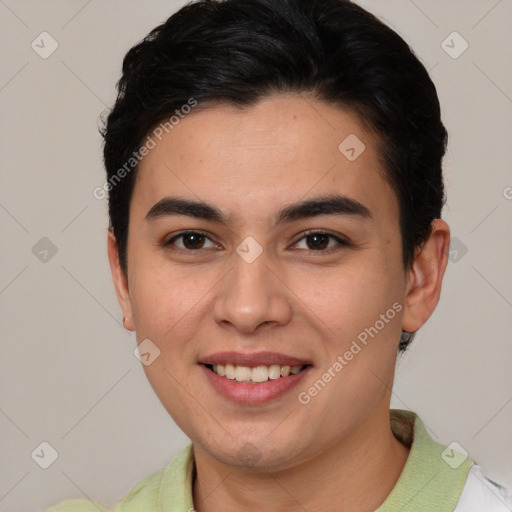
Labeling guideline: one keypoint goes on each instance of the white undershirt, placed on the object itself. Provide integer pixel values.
(483, 495)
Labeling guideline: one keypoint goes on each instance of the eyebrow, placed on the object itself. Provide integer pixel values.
(323, 205)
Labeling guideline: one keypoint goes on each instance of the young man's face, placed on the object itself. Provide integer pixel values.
(304, 296)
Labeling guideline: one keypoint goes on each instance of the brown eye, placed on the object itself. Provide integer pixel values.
(319, 241)
(193, 241)
(190, 241)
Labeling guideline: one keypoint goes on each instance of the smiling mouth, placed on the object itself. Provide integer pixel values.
(255, 374)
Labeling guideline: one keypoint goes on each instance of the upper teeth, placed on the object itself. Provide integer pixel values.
(255, 374)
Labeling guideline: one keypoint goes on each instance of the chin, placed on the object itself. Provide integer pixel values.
(256, 454)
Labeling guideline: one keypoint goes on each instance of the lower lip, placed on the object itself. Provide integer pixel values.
(246, 393)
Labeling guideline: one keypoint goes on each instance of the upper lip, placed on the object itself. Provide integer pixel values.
(253, 359)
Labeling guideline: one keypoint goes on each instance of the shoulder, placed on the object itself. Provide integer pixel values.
(77, 506)
(481, 493)
(169, 485)
(145, 493)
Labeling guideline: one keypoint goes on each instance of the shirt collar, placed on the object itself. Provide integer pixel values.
(433, 476)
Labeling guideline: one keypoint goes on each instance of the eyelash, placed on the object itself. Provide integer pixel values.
(340, 241)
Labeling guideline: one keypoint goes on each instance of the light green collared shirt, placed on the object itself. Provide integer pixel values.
(432, 479)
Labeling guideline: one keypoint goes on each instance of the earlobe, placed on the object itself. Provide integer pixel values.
(425, 277)
(120, 281)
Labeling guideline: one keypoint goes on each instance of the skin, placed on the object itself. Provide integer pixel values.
(294, 299)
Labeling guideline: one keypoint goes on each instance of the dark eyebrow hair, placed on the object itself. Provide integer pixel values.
(323, 205)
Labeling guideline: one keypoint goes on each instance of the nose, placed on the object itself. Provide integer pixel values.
(251, 296)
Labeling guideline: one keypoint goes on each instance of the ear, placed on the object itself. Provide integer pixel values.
(120, 280)
(425, 277)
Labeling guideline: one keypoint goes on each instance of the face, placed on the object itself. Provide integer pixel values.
(269, 267)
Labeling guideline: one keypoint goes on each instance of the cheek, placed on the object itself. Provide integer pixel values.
(357, 313)
(349, 298)
(162, 297)
(165, 308)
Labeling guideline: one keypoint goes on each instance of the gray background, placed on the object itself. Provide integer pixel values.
(67, 369)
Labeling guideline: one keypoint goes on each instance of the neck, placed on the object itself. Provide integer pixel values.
(358, 473)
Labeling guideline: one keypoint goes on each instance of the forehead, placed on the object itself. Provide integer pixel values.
(253, 159)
